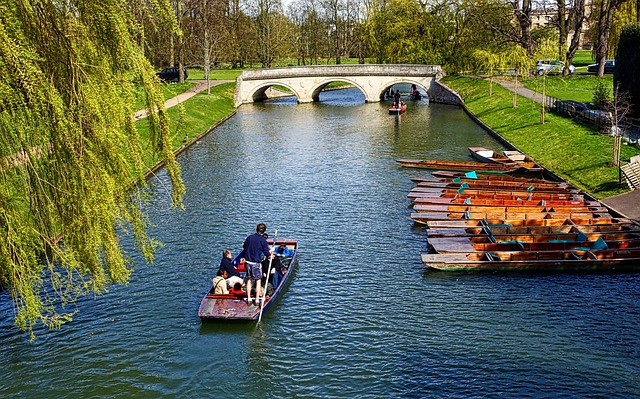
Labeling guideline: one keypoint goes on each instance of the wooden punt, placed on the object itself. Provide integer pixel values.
(609, 260)
(486, 194)
(435, 164)
(425, 217)
(511, 231)
(231, 307)
(517, 209)
(507, 183)
(484, 176)
(484, 155)
(528, 163)
(495, 223)
(503, 202)
(460, 245)
(429, 187)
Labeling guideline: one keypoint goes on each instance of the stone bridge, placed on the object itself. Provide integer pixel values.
(307, 82)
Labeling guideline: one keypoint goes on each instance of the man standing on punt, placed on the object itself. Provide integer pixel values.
(254, 247)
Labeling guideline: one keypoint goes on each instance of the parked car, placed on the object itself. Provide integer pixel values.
(570, 107)
(551, 66)
(171, 74)
(609, 66)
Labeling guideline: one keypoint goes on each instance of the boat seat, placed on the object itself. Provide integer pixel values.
(493, 257)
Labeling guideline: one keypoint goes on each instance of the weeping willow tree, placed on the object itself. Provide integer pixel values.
(70, 153)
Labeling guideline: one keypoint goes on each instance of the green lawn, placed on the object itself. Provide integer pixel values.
(574, 152)
(574, 87)
(192, 117)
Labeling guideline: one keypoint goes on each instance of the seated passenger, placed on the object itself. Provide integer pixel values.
(283, 251)
(227, 264)
(220, 283)
(237, 290)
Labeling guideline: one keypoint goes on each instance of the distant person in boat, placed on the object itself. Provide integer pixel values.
(220, 283)
(396, 99)
(254, 247)
(227, 264)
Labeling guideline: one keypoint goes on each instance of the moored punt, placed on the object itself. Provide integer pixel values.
(506, 183)
(609, 260)
(462, 223)
(461, 244)
(528, 163)
(517, 209)
(231, 307)
(484, 155)
(425, 217)
(429, 187)
(503, 202)
(512, 231)
(483, 176)
(457, 166)
(487, 194)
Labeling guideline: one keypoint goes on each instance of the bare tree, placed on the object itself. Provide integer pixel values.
(618, 109)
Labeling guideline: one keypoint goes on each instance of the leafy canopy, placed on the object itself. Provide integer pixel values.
(69, 151)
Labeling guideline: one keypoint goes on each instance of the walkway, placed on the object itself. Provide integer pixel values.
(627, 204)
(201, 85)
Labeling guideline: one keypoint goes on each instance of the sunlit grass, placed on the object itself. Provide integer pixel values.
(199, 113)
(573, 87)
(573, 151)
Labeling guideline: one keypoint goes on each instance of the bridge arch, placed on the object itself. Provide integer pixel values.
(307, 82)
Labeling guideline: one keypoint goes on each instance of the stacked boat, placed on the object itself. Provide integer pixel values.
(494, 222)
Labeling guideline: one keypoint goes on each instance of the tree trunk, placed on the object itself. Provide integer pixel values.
(605, 20)
(524, 20)
(576, 18)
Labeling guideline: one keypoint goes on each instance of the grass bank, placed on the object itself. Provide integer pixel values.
(574, 152)
(192, 117)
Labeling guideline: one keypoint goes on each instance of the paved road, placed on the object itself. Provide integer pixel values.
(627, 204)
(201, 85)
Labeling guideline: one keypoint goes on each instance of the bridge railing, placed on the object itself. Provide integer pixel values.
(344, 70)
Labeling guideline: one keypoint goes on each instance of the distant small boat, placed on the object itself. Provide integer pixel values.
(435, 164)
(232, 307)
(393, 110)
(416, 96)
(514, 157)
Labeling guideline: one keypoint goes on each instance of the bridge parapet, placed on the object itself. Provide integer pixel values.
(344, 70)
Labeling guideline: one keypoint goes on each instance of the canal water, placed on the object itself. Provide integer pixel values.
(361, 318)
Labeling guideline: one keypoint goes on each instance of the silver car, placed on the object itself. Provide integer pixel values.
(551, 66)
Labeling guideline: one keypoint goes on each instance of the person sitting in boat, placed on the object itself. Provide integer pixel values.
(254, 247)
(237, 290)
(227, 264)
(220, 283)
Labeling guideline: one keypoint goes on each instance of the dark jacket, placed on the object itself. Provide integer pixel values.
(227, 264)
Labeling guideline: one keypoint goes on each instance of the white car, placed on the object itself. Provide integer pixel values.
(551, 66)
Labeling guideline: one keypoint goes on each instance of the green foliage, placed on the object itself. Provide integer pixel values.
(69, 152)
(627, 72)
(601, 95)
(568, 149)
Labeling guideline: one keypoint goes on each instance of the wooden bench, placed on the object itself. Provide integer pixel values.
(631, 173)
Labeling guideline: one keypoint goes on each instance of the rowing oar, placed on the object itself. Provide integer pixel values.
(266, 283)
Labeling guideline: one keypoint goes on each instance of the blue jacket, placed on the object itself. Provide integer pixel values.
(254, 246)
(227, 264)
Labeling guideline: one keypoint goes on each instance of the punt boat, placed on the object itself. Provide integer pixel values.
(435, 164)
(232, 307)
(607, 260)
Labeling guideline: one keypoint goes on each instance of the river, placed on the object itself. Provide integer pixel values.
(361, 317)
